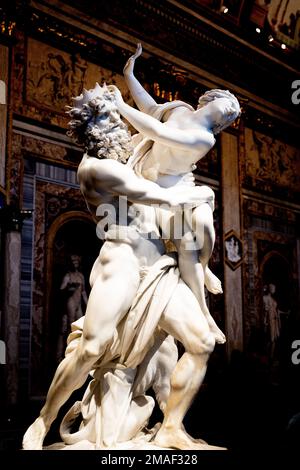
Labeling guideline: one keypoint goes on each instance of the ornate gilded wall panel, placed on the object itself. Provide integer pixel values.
(271, 165)
(25, 145)
(46, 78)
(15, 170)
(54, 76)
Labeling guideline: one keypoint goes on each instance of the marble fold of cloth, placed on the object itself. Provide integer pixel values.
(134, 334)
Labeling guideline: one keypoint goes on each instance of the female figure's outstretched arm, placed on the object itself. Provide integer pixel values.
(143, 100)
(197, 139)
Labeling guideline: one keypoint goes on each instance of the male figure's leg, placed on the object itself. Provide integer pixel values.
(111, 296)
(184, 320)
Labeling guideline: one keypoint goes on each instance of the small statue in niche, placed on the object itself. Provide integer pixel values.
(73, 286)
(271, 320)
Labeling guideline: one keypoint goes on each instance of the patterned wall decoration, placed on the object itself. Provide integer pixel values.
(271, 165)
(24, 145)
(15, 170)
(26, 276)
(54, 76)
(285, 217)
(46, 78)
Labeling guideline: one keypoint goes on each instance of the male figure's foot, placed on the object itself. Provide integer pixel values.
(212, 283)
(34, 437)
(179, 439)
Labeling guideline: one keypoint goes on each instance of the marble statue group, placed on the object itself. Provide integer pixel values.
(143, 299)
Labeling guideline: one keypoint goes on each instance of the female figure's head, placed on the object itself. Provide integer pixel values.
(221, 108)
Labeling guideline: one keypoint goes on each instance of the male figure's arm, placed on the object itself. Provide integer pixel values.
(113, 177)
(143, 100)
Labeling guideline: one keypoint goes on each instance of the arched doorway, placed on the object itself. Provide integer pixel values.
(276, 287)
(72, 248)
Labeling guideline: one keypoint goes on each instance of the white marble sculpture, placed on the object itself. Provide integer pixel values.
(140, 301)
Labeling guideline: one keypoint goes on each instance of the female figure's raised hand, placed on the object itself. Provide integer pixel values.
(129, 66)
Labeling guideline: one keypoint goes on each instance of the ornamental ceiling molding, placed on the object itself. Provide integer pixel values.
(197, 10)
(90, 34)
(92, 43)
(67, 37)
(171, 12)
(175, 17)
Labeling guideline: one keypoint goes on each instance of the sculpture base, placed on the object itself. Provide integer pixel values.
(129, 445)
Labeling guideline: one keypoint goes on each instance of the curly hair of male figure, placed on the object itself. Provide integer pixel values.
(112, 139)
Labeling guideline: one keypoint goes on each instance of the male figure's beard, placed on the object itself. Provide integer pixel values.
(113, 141)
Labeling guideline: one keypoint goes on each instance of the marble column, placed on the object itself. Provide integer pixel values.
(4, 67)
(11, 312)
(233, 298)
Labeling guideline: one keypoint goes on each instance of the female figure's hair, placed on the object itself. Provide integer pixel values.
(231, 113)
(111, 139)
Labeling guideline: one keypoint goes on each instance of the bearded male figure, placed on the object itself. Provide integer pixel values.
(128, 252)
